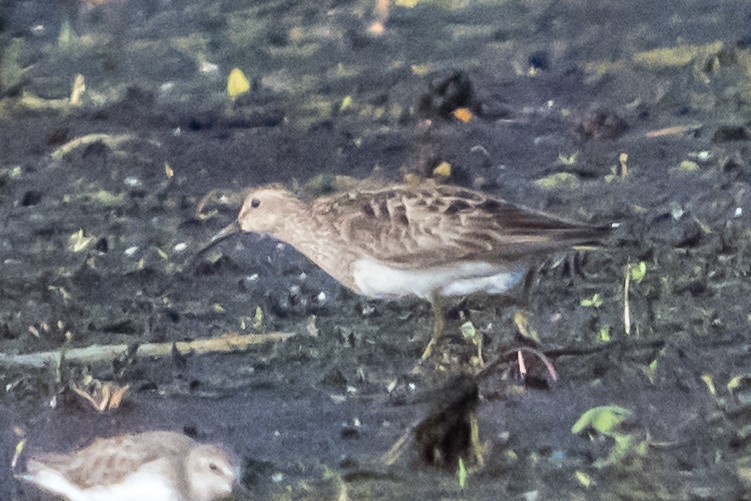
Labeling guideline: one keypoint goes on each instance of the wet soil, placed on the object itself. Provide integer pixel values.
(558, 92)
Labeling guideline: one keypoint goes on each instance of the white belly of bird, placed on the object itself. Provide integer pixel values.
(140, 485)
(380, 281)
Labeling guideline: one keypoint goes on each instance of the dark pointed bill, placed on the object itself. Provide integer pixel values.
(226, 232)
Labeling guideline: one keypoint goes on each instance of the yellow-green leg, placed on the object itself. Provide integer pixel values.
(476, 448)
(439, 322)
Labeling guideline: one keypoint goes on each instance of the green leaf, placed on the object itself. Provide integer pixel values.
(638, 271)
(469, 331)
(461, 474)
(593, 302)
(604, 420)
(560, 180)
(604, 333)
(624, 446)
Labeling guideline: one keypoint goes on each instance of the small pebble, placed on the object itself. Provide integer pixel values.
(703, 156)
(338, 399)
(676, 212)
(132, 182)
(208, 68)
(531, 496)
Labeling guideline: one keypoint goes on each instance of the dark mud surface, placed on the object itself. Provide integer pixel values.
(560, 90)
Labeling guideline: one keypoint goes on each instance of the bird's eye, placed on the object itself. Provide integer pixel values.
(255, 203)
(213, 467)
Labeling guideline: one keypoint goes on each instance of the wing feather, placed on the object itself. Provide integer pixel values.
(412, 227)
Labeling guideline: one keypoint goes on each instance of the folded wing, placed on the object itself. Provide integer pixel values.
(413, 227)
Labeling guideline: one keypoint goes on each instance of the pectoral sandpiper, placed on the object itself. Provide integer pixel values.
(153, 466)
(432, 242)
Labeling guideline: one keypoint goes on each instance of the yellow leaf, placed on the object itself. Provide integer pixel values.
(523, 327)
(20, 446)
(560, 180)
(237, 83)
(108, 198)
(78, 242)
(168, 170)
(464, 115)
(258, 319)
(675, 57)
(710, 384)
(218, 308)
(568, 159)
(584, 479)
(420, 70)
(409, 4)
(736, 382)
(443, 170)
(79, 87)
(688, 166)
(346, 103)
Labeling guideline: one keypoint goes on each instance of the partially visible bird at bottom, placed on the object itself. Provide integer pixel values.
(149, 466)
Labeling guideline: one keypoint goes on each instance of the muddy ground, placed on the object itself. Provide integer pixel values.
(559, 92)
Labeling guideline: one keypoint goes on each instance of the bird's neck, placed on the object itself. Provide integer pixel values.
(318, 240)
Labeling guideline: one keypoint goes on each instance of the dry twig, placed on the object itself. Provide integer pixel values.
(227, 343)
